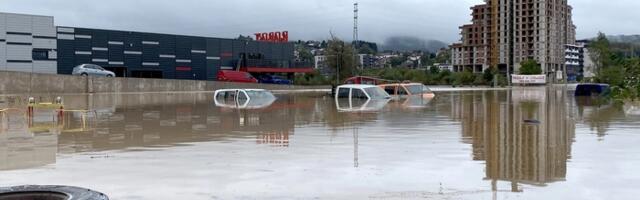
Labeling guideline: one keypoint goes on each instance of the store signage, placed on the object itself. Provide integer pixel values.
(273, 37)
(528, 79)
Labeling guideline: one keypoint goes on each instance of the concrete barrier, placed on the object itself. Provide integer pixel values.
(27, 83)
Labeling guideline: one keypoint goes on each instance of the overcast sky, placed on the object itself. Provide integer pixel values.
(305, 19)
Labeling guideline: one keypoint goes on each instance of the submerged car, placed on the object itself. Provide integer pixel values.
(360, 98)
(361, 92)
(243, 98)
(592, 89)
(407, 89)
(91, 70)
(361, 105)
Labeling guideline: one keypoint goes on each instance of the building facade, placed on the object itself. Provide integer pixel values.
(574, 56)
(31, 43)
(27, 43)
(152, 55)
(504, 33)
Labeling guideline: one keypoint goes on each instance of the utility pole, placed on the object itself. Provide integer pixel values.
(355, 33)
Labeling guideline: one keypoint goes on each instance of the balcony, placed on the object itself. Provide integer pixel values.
(572, 57)
(572, 63)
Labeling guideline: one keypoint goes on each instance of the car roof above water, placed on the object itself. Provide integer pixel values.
(247, 90)
(401, 84)
(357, 86)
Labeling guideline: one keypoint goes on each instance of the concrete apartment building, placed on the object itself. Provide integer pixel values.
(504, 33)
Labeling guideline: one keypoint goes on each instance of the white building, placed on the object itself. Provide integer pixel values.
(27, 43)
(320, 61)
(444, 66)
(588, 65)
(574, 62)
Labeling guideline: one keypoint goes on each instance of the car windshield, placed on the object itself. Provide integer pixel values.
(259, 94)
(425, 89)
(376, 93)
(416, 89)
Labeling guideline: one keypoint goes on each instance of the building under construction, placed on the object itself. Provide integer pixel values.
(503, 33)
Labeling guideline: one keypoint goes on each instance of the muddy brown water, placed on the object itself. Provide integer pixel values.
(460, 145)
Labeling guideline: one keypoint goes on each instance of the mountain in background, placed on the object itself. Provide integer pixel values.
(407, 43)
(634, 39)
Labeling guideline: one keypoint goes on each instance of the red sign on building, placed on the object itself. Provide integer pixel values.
(183, 68)
(273, 37)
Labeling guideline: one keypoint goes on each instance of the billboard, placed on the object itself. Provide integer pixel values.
(529, 79)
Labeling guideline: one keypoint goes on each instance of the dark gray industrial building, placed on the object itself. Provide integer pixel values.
(151, 55)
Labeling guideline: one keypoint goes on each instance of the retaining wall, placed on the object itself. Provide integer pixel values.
(21, 83)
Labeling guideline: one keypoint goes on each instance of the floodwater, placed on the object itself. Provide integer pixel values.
(460, 145)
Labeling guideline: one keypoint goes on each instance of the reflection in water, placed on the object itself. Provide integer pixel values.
(598, 113)
(25, 143)
(185, 141)
(514, 151)
(126, 121)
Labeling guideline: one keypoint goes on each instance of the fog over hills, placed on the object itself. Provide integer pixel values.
(635, 39)
(408, 43)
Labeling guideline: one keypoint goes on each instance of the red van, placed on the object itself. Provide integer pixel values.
(236, 76)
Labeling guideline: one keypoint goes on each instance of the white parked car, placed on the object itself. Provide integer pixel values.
(243, 98)
(91, 70)
(361, 98)
(361, 92)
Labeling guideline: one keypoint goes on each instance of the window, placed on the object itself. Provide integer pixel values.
(376, 93)
(417, 89)
(402, 91)
(343, 93)
(40, 54)
(242, 95)
(358, 94)
(390, 89)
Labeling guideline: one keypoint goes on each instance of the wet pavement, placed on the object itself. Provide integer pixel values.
(532, 143)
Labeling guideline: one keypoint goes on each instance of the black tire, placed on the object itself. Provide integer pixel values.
(49, 192)
(84, 74)
(109, 75)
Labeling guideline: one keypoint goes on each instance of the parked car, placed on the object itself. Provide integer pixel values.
(361, 92)
(407, 90)
(273, 79)
(91, 70)
(236, 76)
(361, 98)
(592, 89)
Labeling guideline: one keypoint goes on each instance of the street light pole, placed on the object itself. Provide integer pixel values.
(337, 70)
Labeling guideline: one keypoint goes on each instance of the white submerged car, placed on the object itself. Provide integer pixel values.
(243, 98)
(361, 98)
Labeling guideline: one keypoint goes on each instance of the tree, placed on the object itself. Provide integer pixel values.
(398, 60)
(488, 75)
(600, 52)
(530, 67)
(340, 58)
(434, 70)
(245, 38)
(443, 57)
(303, 52)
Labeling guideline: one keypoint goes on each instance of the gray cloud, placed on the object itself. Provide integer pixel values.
(309, 19)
